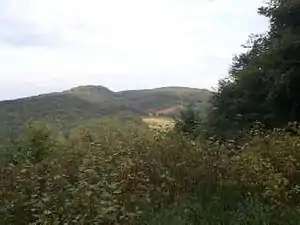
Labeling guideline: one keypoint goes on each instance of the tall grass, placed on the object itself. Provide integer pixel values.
(127, 174)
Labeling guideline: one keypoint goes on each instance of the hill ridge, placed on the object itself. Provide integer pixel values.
(91, 101)
(163, 88)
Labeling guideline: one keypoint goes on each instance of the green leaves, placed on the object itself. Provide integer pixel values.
(190, 122)
(263, 82)
(131, 175)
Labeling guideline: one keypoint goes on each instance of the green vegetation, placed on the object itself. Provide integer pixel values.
(234, 163)
(65, 110)
(125, 173)
(264, 82)
(190, 122)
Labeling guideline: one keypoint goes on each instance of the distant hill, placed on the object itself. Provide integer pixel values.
(86, 102)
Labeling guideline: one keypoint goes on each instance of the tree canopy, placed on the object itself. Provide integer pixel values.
(264, 82)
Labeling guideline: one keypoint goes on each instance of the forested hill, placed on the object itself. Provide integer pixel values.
(86, 102)
(218, 169)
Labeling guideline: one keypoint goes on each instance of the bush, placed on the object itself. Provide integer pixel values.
(190, 122)
(127, 174)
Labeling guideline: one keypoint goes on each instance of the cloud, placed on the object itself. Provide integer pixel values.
(53, 45)
(20, 34)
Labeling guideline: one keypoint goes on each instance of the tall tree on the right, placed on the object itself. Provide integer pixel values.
(264, 83)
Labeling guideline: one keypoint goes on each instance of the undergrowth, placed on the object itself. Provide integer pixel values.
(128, 174)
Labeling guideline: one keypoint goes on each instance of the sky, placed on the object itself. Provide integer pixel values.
(53, 45)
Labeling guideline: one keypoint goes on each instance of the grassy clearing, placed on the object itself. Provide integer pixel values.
(161, 123)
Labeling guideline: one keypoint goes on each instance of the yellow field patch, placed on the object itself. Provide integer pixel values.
(162, 123)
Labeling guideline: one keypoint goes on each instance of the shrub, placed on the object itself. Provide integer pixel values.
(127, 174)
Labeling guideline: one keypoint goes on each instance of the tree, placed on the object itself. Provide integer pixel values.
(36, 144)
(263, 83)
(190, 121)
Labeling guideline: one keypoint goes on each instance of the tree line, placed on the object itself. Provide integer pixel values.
(263, 82)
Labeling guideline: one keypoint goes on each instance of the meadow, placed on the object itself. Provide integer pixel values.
(159, 122)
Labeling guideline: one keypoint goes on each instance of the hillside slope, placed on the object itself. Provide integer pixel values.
(155, 100)
(86, 102)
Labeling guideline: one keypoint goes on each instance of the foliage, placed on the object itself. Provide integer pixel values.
(123, 173)
(263, 83)
(190, 122)
(66, 109)
(115, 171)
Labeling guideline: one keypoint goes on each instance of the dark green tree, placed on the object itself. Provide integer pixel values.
(264, 82)
(36, 144)
(190, 121)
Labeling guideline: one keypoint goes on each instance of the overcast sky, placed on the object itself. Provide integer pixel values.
(52, 45)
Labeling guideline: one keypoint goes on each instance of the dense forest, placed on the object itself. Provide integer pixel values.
(238, 163)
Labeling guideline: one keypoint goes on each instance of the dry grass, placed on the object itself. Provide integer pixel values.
(161, 123)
